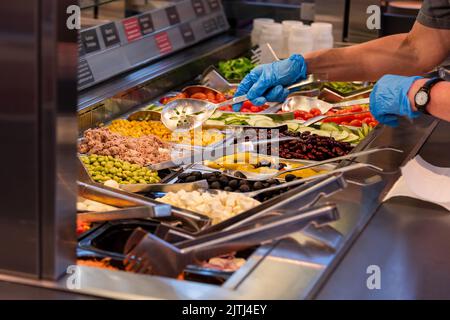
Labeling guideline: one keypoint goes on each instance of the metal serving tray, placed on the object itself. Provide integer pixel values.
(108, 239)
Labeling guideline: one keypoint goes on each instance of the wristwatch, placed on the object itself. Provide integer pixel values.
(423, 96)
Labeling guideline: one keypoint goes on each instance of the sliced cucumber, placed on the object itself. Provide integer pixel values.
(365, 128)
(264, 123)
(347, 129)
(329, 126)
(214, 123)
(360, 133)
(340, 136)
(293, 126)
(351, 138)
(216, 115)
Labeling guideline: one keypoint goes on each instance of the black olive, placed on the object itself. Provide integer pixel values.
(223, 180)
(273, 182)
(282, 165)
(258, 185)
(196, 173)
(290, 177)
(243, 182)
(183, 175)
(233, 184)
(215, 185)
(240, 175)
(228, 189)
(211, 179)
(244, 188)
(191, 179)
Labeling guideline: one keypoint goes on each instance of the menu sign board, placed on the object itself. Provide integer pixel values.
(89, 40)
(172, 15)
(146, 23)
(109, 34)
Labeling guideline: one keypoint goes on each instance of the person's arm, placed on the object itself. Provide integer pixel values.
(416, 52)
(439, 105)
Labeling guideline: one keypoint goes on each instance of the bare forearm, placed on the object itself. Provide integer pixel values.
(439, 105)
(367, 61)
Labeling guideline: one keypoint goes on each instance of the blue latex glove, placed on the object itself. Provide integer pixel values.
(389, 99)
(266, 82)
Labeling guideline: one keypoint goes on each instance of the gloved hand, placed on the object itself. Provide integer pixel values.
(266, 82)
(389, 99)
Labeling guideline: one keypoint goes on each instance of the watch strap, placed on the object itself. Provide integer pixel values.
(427, 88)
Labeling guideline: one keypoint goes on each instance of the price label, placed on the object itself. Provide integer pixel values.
(163, 42)
(199, 8)
(172, 15)
(210, 25)
(85, 75)
(146, 23)
(213, 4)
(132, 29)
(187, 33)
(110, 34)
(89, 40)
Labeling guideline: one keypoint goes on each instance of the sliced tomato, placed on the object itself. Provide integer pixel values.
(211, 96)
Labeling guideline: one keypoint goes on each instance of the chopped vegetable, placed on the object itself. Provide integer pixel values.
(236, 69)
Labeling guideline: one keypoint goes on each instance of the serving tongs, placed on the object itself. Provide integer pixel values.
(141, 212)
(306, 195)
(147, 253)
(121, 199)
(261, 176)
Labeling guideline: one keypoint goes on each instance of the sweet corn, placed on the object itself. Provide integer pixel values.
(138, 129)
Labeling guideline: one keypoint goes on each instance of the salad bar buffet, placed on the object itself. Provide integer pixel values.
(248, 200)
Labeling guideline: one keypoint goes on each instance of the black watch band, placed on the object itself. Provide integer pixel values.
(425, 90)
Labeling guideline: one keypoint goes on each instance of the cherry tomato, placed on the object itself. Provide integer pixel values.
(220, 97)
(373, 124)
(199, 95)
(255, 109)
(307, 116)
(211, 96)
(315, 112)
(357, 108)
(367, 120)
(247, 104)
(362, 116)
(344, 123)
(356, 123)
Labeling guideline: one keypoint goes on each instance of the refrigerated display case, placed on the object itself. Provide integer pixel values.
(39, 213)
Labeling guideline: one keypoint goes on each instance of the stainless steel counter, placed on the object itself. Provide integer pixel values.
(408, 239)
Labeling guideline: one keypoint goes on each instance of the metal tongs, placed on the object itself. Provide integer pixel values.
(147, 253)
(119, 198)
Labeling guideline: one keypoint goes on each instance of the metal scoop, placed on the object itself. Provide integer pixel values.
(187, 114)
(147, 253)
(308, 103)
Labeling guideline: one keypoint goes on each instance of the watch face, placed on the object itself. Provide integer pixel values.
(421, 98)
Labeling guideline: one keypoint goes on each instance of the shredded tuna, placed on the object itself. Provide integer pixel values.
(143, 151)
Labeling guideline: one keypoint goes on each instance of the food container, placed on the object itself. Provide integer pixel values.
(108, 241)
(330, 94)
